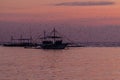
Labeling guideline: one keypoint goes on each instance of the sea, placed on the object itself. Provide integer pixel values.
(75, 63)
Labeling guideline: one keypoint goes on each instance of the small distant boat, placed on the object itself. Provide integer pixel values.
(21, 42)
(53, 41)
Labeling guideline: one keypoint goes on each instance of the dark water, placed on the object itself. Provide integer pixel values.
(91, 63)
(100, 44)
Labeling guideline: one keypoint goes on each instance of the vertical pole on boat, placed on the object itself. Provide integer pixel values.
(21, 39)
(54, 34)
(44, 35)
(11, 39)
(30, 41)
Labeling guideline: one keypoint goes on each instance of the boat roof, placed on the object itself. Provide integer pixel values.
(54, 37)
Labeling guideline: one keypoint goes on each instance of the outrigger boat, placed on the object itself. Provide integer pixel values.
(21, 42)
(52, 41)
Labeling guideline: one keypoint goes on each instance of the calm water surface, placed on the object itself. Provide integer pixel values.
(70, 64)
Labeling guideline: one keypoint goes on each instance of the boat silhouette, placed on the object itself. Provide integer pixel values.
(52, 41)
(20, 42)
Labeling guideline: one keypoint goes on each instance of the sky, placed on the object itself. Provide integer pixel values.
(80, 20)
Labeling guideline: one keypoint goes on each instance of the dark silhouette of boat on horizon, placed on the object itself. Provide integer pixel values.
(20, 42)
(52, 41)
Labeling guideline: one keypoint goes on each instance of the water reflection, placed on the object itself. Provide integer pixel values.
(72, 64)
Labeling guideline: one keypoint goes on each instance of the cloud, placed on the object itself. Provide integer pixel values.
(90, 3)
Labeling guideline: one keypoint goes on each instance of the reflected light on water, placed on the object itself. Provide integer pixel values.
(71, 64)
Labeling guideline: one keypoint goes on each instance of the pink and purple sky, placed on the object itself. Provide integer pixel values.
(83, 20)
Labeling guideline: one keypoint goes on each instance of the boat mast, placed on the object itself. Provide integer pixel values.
(11, 39)
(54, 34)
(20, 38)
(30, 41)
(44, 35)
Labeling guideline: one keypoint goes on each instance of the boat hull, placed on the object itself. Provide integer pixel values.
(18, 44)
(54, 46)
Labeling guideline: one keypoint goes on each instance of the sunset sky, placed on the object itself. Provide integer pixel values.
(84, 20)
